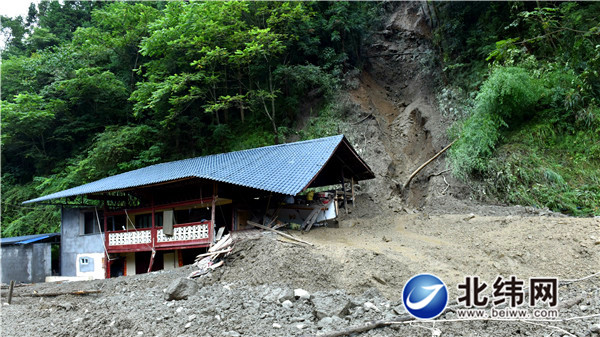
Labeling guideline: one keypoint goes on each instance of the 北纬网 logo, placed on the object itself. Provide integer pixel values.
(425, 296)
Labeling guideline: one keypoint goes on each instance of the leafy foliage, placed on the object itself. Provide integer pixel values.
(532, 135)
(92, 89)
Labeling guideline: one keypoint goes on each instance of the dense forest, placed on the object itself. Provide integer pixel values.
(91, 89)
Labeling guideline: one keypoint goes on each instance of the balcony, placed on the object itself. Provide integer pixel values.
(195, 234)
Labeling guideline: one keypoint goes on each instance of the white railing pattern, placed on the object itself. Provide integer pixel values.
(129, 238)
(184, 233)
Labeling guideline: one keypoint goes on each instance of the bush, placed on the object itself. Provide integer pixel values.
(507, 98)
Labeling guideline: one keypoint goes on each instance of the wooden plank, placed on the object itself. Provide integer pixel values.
(220, 233)
(278, 232)
(309, 218)
(312, 222)
(227, 250)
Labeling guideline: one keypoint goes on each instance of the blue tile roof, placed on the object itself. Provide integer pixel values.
(285, 168)
(23, 240)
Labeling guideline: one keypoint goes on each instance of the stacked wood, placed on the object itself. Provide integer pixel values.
(213, 259)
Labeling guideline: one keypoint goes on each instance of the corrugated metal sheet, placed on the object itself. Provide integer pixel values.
(23, 240)
(285, 168)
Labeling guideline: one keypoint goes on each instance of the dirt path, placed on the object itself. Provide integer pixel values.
(452, 246)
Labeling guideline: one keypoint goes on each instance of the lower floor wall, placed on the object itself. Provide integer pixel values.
(126, 264)
(26, 263)
(90, 265)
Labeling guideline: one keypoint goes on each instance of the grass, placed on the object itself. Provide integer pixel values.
(540, 166)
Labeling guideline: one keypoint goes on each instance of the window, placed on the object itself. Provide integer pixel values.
(84, 260)
(191, 215)
(116, 222)
(90, 224)
(145, 220)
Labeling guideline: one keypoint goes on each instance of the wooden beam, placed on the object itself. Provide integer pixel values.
(213, 214)
(344, 191)
(278, 232)
(352, 190)
(79, 292)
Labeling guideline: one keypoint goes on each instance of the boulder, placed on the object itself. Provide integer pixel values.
(327, 305)
(181, 289)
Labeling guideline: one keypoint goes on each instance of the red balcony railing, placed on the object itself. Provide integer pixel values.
(184, 235)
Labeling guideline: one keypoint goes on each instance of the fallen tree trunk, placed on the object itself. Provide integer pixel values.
(427, 163)
(278, 232)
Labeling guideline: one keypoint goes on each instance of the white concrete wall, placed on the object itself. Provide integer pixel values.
(170, 261)
(94, 268)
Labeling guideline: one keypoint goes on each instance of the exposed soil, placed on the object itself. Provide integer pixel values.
(391, 235)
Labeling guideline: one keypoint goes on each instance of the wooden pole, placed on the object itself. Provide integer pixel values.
(107, 261)
(153, 237)
(352, 191)
(344, 191)
(366, 327)
(278, 232)
(78, 292)
(10, 291)
(426, 163)
(213, 214)
(151, 260)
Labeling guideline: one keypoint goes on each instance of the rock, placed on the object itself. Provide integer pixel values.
(287, 304)
(583, 307)
(399, 310)
(277, 325)
(595, 328)
(191, 317)
(272, 296)
(301, 294)
(66, 305)
(231, 334)
(286, 295)
(180, 309)
(188, 325)
(370, 306)
(325, 321)
(181, 289)
(327, 305)
(300, 326)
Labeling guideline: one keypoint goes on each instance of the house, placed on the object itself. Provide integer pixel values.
(27, 259)
(162, 216)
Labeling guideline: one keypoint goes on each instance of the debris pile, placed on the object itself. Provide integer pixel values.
(214, 258)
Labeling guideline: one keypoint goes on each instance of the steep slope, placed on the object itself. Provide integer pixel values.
(398, 124)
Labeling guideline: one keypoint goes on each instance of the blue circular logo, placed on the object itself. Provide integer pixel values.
(425, 296)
